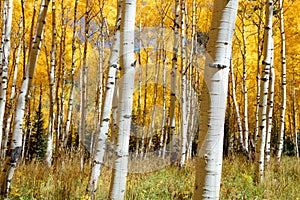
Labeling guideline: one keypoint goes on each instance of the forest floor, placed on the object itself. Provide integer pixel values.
(34, 181)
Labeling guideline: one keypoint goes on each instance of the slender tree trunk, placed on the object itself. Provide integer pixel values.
(213, 104)
(102, 137)
(295, 120)
(11, 102)
(70, 103)
(16, 145)
(271, 106)
(83, 89)
(172, 119)
(236, 107)
(118, 186)
(260, 150)
(52, 89)
(283, 85)
(184, 122)
(246, 125)
(258, 77)
(4, 62)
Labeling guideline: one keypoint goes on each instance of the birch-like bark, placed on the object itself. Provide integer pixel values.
(11, 102)
(16, 145)
(266, 64)
(258, 77)
(246, 125)
(118, 186)
(172, 118)
(83, 88)
(151, 128)
(270, 106)
(236, 106)
(62, 65)
(213, 104)
(7, 17)
(192, 98)
(184, 122)
(283, 85)
(102, 137)
(70, 103)
(49, 150)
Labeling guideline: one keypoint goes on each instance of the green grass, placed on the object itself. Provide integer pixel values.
(35, 181)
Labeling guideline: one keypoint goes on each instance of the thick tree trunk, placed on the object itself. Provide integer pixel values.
(118, 186)
(213, 104)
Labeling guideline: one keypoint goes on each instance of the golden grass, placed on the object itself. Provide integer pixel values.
(65, 181)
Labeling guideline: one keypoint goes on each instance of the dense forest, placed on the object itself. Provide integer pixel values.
(126, 99)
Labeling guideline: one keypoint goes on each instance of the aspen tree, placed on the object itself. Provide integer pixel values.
(126, 88)
(245, 88)
(172, 117)
(52, 89)
(83, 86)
(294, 116)
(11, 102)
(192, 98)
(163, 136)
(102, 138)
(184, 122)
(4, 62)
(266, 64)
(258, 75)
(283, 84)
(236, 106)
(71, 98)
(270, 108)
(16, 145)
(213, 104)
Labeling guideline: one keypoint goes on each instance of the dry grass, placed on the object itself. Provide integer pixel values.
(65, 181)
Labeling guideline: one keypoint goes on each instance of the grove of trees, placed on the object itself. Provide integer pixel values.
(140, 85)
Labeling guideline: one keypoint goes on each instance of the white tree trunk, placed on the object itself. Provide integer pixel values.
(83, 88)
(184, 122)
(49, 149)
(213, 104)
(7, 21)
(260, 150)
(13, 93)
(102, 137)
(118, 186)
(246, 125)
(271, 106)
(16, 145)
(283, 84)
(236, 106)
